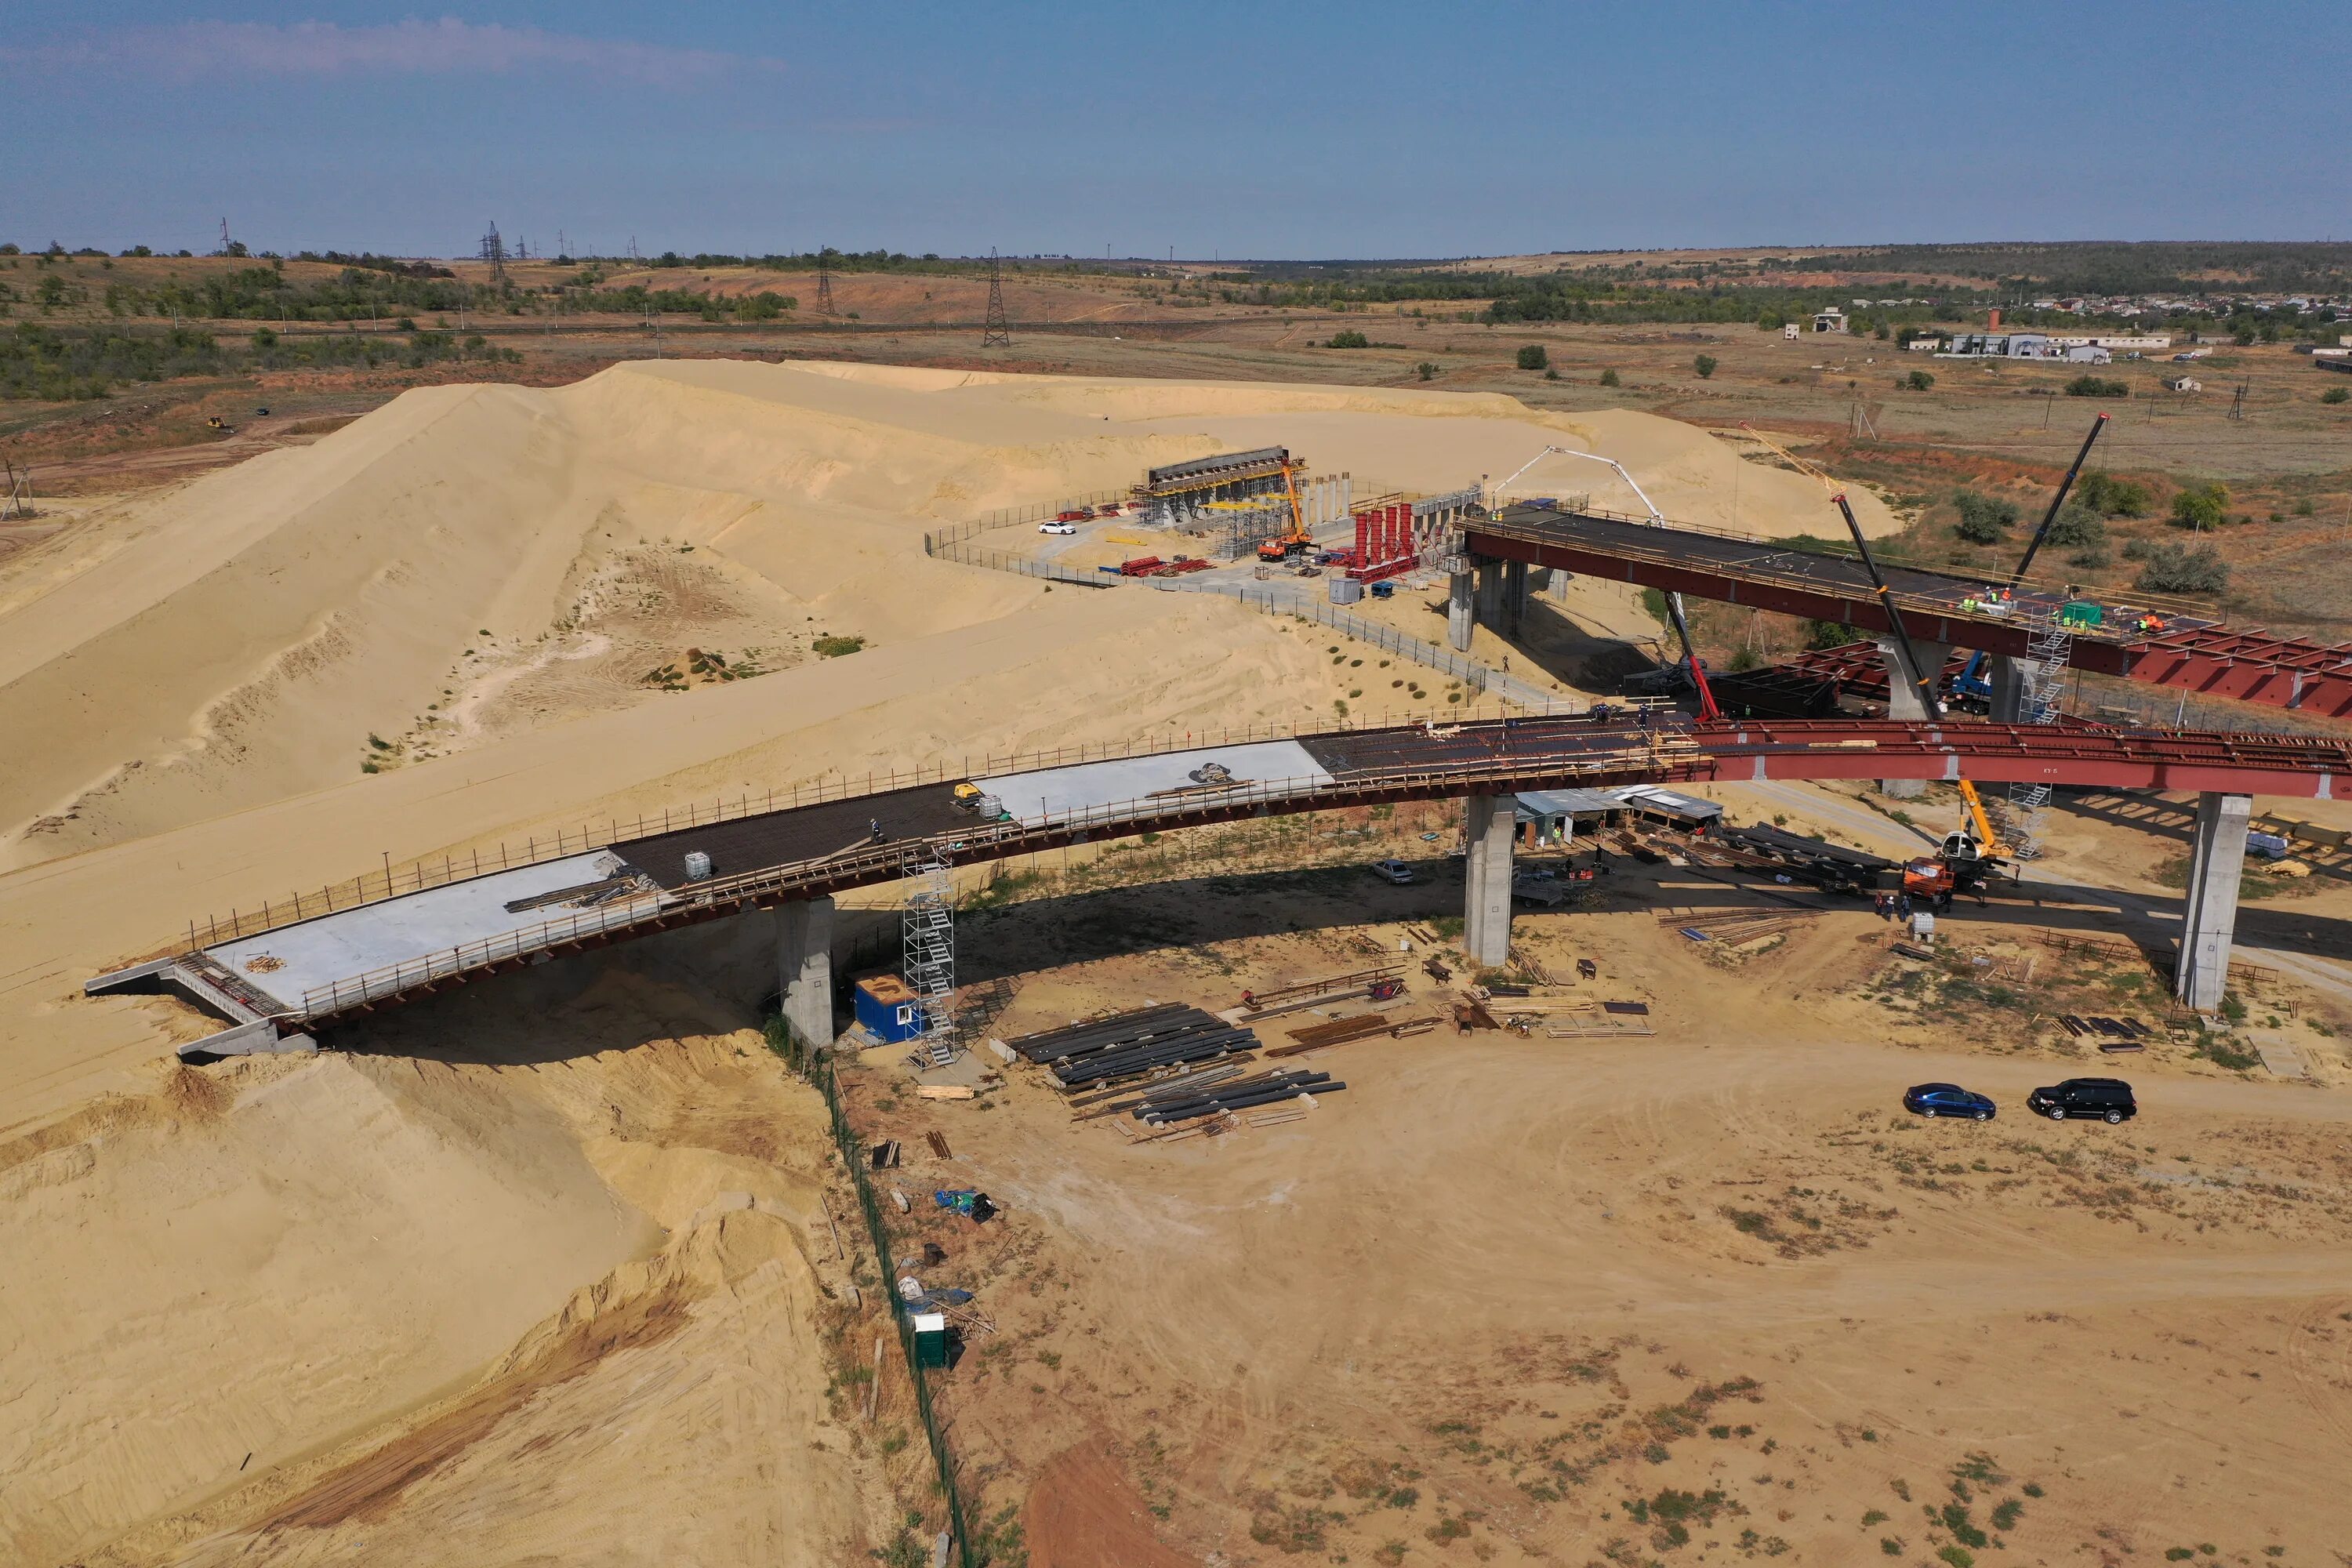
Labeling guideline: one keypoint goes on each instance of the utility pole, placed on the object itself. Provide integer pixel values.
(2238, 404)
(995, 334)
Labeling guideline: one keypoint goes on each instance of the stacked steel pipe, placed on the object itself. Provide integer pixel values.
(1128, 1045)
(1243, 1094)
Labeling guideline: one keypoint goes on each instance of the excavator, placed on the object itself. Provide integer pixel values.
(1970, 853)
(1296, 541)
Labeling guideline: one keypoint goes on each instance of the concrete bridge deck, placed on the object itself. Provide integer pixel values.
(283, 977)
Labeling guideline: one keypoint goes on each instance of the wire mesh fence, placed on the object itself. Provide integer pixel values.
(819, 1069)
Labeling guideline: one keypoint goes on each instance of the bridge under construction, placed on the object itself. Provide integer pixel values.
(316, 960)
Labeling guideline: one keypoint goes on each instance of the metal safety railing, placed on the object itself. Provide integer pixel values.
(1652, 755)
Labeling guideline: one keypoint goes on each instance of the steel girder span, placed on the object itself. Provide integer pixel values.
(280, 979)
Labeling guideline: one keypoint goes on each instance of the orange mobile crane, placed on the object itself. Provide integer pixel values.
(1970, 853)
(1296, 540)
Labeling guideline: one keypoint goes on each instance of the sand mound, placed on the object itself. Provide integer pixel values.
(449, 569)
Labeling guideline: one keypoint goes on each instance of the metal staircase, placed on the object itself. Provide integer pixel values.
(927, 936)
(2050, 643)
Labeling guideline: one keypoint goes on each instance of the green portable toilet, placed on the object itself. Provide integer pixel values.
(931, 1339)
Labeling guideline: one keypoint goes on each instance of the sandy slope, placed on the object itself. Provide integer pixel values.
(482, 1243)
(240, 640)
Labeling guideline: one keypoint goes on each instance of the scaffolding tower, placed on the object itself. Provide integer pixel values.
(2050, 643)
(927, 938)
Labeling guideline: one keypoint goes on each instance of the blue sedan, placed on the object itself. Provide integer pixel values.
(1947, 1100)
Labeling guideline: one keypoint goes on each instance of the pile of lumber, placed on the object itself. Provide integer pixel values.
(1737, 928)
(1102, 1051)
(2098, 1026)
(1362, 1027)
(1308, 994)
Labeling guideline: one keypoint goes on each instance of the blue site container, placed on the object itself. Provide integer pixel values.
(887, 1009)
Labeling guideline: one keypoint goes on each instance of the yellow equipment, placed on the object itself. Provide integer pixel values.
(1970, 853)
(1296, 541)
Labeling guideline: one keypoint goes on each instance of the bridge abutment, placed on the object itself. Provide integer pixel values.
(804, 968)
(2209, 919)
(1906, 701)
(1490, 822)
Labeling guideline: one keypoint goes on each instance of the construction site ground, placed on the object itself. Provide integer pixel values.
(563, 1267)
(1543, 1299)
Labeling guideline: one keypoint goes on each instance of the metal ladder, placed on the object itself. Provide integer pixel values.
(2048, 646)
(927, 939)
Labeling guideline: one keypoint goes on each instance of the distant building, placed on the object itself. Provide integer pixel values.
(1788, 331)
(2183, 384)
(2087, 354)
(1829, 321)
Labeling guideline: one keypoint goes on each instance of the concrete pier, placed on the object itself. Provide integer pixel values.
(804, 968)
(1515, 597)
(1905, 700)
(2209, 919)
(2012, 689)
(1490, 823)
(1490, 594)
(1460, 611)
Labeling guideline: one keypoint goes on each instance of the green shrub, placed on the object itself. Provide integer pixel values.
(2202, 507)
(2336, 394)
(1350, 340)
(1426, 369)
(2183, 569)
(1608, 378)
(1704, 365)
(1533, 357)
(835, 646)
(2111, 497)
(2097, 386)
(1919, 381)
(2078, 524)
(1984, 518)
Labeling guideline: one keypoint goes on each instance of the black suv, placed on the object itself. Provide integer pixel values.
(2109, 1098)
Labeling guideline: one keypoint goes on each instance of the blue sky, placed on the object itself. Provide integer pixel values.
(1300, 130)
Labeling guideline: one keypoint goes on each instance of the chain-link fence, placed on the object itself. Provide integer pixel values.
(819, 1068)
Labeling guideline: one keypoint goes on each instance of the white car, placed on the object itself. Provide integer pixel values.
(1058, 528)
(1395, 871)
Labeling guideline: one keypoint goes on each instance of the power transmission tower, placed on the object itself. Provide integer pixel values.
(824, 284)
(2238, 404)
(993, 333)
(223, 249)
(494, 251)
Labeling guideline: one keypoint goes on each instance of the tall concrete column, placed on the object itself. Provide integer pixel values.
(1490, 594)
(1904, 700)
(1558, 581)
(804, 968)
(1515, 596)
(1459, 613)
(1490, 823)
(2209, 919)
(2012, 689)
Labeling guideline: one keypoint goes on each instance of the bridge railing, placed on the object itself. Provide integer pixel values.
(420, 876)
(999, 840)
